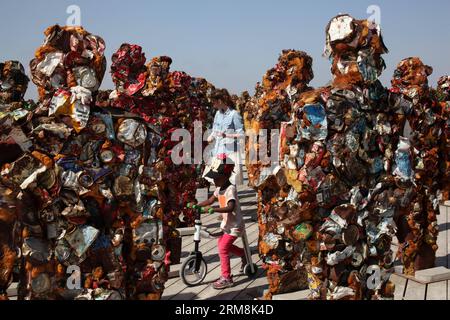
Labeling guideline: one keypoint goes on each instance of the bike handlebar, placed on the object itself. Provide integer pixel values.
(199, 209)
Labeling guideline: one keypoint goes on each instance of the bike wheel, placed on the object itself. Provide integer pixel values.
(189, 275)
(248, 270)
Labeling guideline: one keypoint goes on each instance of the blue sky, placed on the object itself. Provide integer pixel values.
(231, 43)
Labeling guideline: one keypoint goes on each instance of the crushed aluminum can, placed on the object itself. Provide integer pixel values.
(22, 168)
(151, 208)
(357, 259)
(403, 164)
(339, 256)
(60, 103)
(350, 235)
(335, 218)
(32, 177)
(97, 126)
(123, 186)
(317, 128)
(132, 133)
(81, 239)
(63, 251)
(69, 164)
(70, 180)
(37, 250)
(47, 179)
(158, 252)
(368, 66)
(127, 170)
(352, 141)
(75, 213)
(85, 180)
(107, 156)
(341, 28)
(341, 292)
(132, 157)
(51, 61)
(58, 129)
(147, 233)
(21, 139)
(89, 295)
(303, 231)
(271, 240)
(80, 115)
(41, 284)
(86, 78)
(107, 120)
(104, 294)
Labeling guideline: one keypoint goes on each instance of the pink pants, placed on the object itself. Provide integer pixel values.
(226, 247)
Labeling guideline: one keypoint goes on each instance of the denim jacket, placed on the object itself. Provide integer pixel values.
(229, 122)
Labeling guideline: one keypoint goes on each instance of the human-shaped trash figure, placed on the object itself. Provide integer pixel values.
(418, 159)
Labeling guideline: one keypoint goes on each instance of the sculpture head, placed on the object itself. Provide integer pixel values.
(355, 48)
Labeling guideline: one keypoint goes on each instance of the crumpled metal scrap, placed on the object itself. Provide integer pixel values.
(337, 151)
(93, 172)
(419, 160)
(67, 69)
(14, 114)
(443, 98)
(272, 105)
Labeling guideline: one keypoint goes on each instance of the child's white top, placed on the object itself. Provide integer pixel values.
(232, 223)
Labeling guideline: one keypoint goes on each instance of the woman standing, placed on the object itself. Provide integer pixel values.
(227, 133)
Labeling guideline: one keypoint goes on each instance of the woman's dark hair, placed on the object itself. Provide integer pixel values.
(224, 96)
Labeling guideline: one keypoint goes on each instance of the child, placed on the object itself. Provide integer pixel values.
(232, 224)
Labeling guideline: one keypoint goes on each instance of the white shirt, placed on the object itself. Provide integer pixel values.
(232, 223)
